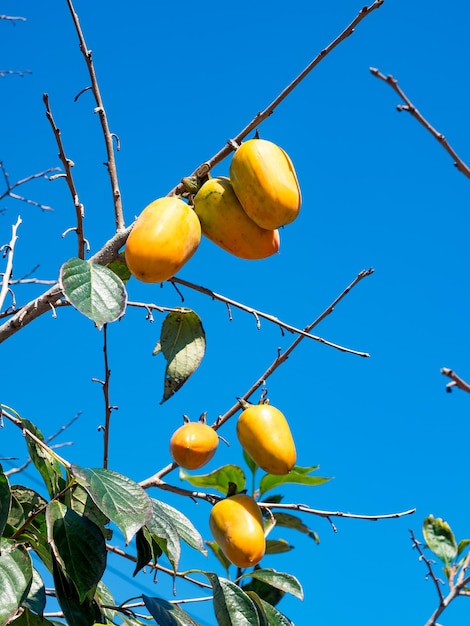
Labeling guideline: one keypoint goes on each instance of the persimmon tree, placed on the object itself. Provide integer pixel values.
(55, 541)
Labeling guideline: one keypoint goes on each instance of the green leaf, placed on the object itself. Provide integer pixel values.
(16, 574)
(46, 463)
(16, 516)
(184, 526)
(462, 545)
(263, 618)
(218, 479)
(292, 521)
(440, 538)
(275, 617)
(76, 613)
(277, 546)
(183, 344)
(82, 503)
(232, 606)
(282, 581)
(36, 598)
(36, 531)
(94, 290)
(5, 500)
(217, 550)
(121, 499)
(165, 533)
(78, 546)
(27, 618)
(264, 591)
(298, 475)
(119, 267)
(104, 596)
(143, 546)
(167, 614)
(249, 461)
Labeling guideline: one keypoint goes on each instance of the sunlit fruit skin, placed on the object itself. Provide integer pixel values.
(164, 237)
(193, 445)
(236, 524)
(265, 435)
(266, 184)
(224, 222)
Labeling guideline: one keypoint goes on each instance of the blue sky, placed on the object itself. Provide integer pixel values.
(378, 191)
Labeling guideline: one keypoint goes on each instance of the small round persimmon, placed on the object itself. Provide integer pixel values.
(193, 444)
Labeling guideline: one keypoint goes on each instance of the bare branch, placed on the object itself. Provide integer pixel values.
(12, 19)
(20, 73)
(456, 380)
(271, 318)
(68, 164)
(412, 110)
(108, 136)
(9, 266)
(10, 187)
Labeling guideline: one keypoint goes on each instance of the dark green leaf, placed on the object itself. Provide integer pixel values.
(298, 475)
(119, 267)
(27, 618)
(76, 613)
(16, 516)
(143, 546)
(78, 546)
(292, 521)
(82, 503)
(275, 617)
(36, 598)
(94, 290)
(47, 464)
(264, 591)
(165, 533)
(440, 538)
(183, 525)
(16, 574)
(217, 550)
(5, 500)
(232, 606)
(36, 530)
(167, 614)
(285, 582)
(183, 344)
(218, 479)
(277, 546)
(104, 596)
(118, 497)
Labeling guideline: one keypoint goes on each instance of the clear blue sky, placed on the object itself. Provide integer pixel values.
(378, 191)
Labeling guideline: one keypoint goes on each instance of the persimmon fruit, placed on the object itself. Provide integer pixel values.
(264, 434)
(236, 524)
(224, 222)
(193, 445)
(264, 179)
(165, 236)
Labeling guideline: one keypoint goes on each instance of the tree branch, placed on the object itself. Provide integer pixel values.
(9, 266)
(68, 164)
(456, 380)
(413, 111)
(108, 136)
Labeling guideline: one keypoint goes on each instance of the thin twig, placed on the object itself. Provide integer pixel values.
(20, 73)
(156, 566)
(266, 316)
(154, 480)
(108, 136)
(13, 19)
(412, 110)
(431, 575)
(108, 408)
(68, 164)
(456, 380)
(10, 187)
(9, 265)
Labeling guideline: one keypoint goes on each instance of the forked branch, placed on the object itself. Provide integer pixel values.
(412, 110)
